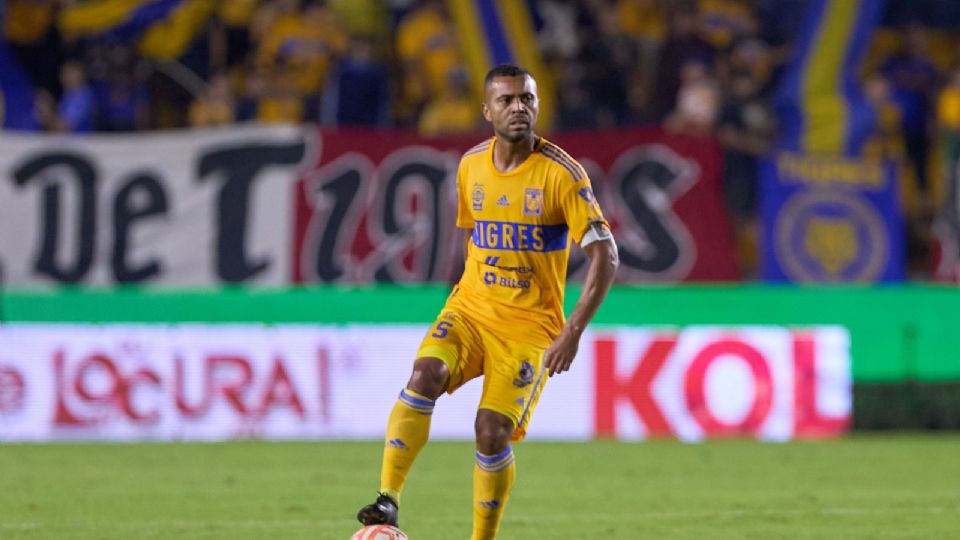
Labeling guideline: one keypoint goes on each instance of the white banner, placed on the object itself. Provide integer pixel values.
(185, 208)
(205, 382)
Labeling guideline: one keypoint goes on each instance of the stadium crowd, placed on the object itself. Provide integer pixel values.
(703, 67)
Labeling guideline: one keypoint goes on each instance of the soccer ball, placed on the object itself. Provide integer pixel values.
(379, 532)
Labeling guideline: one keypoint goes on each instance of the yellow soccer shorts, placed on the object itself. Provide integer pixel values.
(513, 374)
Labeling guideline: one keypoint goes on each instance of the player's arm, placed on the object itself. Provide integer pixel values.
(602, 251)
(464, 216)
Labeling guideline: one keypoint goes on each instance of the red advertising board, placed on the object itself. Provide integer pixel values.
(381, 206)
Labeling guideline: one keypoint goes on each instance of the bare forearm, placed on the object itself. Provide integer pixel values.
(600, 274)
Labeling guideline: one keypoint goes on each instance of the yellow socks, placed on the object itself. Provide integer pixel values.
(407, 432)
(492, 479)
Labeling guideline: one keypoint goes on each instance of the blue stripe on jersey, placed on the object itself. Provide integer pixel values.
(571, 166)
(559, 152)
(510, 236)
(562, 155)
(555, 151)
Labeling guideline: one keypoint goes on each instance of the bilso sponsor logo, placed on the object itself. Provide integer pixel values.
(514, 283)
(491, 278)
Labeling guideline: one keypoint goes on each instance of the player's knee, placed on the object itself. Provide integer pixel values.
(493, 432)
(430, 377)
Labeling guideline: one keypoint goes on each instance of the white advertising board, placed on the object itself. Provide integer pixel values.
(221, 382)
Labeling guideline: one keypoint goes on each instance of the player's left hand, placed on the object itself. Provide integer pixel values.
(560, 355)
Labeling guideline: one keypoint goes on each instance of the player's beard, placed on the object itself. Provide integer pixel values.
(516, 136)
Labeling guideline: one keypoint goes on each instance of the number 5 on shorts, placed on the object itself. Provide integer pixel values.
(442, 328)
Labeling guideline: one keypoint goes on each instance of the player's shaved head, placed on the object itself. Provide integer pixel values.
(504, 70)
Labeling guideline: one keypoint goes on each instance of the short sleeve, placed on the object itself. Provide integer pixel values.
(464, 215)
(580, 208)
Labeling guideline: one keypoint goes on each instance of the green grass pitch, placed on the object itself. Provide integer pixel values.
(865, 486)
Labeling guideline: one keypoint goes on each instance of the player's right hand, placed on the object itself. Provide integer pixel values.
(561, 353)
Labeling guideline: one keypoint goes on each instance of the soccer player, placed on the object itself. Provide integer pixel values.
(521, 200)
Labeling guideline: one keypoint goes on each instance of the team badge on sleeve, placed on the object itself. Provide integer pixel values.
(588, 196)
(532, 202)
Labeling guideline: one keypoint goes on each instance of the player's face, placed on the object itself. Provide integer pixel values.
(511, 106)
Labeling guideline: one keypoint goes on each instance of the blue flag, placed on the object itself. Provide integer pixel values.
(819, 102)
(830, 219)
(830, 214)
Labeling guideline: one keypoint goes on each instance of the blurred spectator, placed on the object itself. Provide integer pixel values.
(363, 17)
(725, 21)
(645, 23)
(453, 112)
(308, 42)
(779, 21)
(558, 37)
(914, 77)
(232, 33)
(698, 101)
(122, 93)
(427, 49)
(360, 93)
(609, 59)
(76, 112)
(746, 128)
(280, 101)
(948, 126)
(253, 88)
(576, 108)
(888, 143)
(216, 106)
(683, 44)
(749, 57)
(948, 133)
(643, 20)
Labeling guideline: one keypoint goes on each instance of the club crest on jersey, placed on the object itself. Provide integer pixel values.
(532, 202)
(477, 196)
(525, 376)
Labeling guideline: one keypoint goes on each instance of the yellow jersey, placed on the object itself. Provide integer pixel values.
(523, 222)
